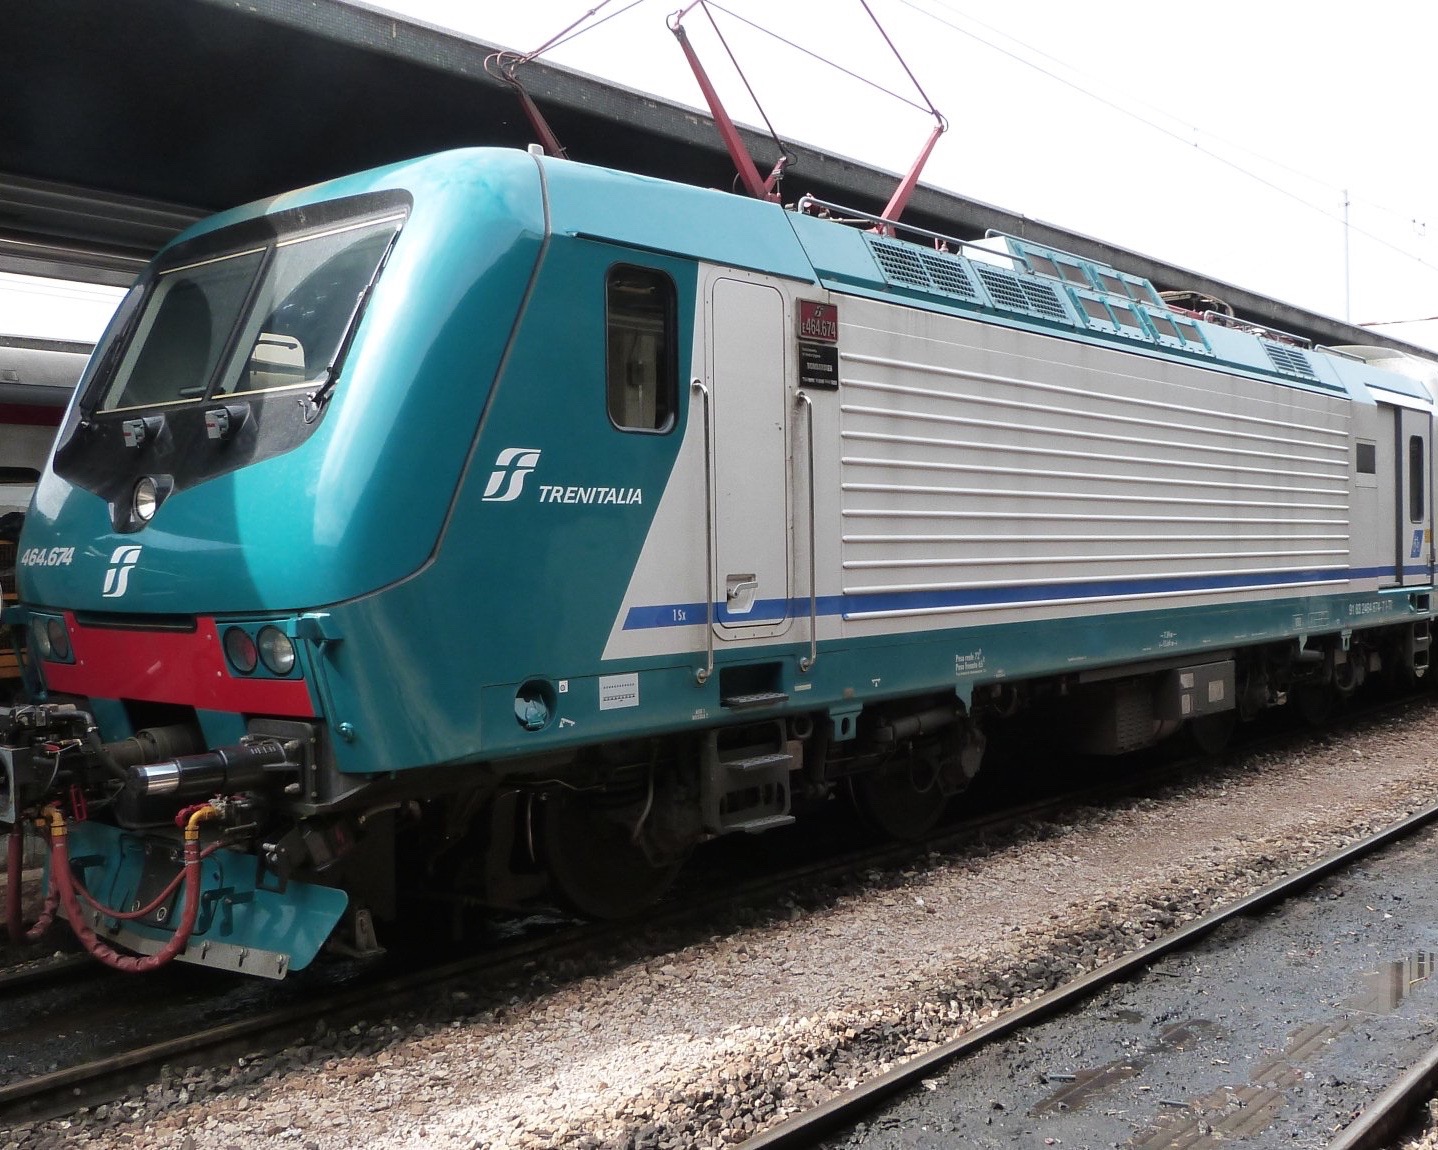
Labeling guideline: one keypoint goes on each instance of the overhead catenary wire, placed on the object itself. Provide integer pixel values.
(1401, 213)
(1186, 138)
(928, 107)
(1195, 129)
(569, 33)
(773, 135)
(1396, 322)
(902, 62)
(1188, 134)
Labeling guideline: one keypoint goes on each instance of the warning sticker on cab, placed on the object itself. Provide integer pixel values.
(616, 691)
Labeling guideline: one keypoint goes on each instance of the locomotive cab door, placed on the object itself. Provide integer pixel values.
(748, 456)
(1413, 486)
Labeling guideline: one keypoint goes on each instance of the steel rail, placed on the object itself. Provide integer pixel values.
(389, 993)
(40, 971)
(1382, 1121)
(840, 1112)
(367, 994)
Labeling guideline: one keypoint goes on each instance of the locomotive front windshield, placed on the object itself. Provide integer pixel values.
(251, 320)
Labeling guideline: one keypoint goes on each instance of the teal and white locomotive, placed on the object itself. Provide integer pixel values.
(504, 527)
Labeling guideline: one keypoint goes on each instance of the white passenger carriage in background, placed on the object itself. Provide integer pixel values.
(47, 330)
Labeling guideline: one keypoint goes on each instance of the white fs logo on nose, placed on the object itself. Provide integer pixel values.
(513, 464)
(117, 575)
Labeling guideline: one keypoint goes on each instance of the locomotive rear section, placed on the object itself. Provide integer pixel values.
(500, 528)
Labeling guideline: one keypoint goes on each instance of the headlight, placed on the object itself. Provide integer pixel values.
(59, 639)
(240, 650)
(145, 499)
(40, 638)
(276, 650)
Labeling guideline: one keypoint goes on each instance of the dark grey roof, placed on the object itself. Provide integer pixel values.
(121, 122)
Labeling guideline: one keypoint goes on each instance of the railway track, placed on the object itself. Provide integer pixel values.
(96, 1079)
(840, 1117)
(69, 1087)
(44, 972)
(1379, 1126)
(65, 1088)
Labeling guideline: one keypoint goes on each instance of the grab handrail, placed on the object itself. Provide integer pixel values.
(806, 664)
(701, 674)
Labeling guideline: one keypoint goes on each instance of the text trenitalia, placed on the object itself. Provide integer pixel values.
(549, 494)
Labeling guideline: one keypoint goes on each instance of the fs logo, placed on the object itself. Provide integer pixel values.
(513, 464)
(117, 575)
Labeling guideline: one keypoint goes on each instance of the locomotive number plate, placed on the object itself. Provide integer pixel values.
(818, 321)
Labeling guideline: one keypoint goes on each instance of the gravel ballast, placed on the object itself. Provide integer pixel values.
(703, 1045)
(1274, 1030)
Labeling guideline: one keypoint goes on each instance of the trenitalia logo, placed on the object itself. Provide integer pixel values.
(117, 575)
(513, 465)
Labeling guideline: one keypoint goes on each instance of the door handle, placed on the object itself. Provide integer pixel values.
(737, 589)
(739, 593)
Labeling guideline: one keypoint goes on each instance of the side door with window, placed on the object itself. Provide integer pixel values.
(1412, 482)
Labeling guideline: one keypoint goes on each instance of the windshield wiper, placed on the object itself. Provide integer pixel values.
(314, 402)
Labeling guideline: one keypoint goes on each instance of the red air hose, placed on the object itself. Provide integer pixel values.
(61, 877)
(14, 864)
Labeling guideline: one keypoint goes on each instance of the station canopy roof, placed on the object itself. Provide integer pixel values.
(120, 123)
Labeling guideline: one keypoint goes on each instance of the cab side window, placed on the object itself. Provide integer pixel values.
(640, 362)
(1415, 479)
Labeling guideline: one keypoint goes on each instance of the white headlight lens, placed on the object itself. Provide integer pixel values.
(146, 499)
(276, 650)
(40, 638)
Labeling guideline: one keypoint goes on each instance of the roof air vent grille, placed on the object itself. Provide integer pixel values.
(1044, 300)
(1004, 287)
(944, 274)
(900, 263)
(1288, 360)
(950, 276)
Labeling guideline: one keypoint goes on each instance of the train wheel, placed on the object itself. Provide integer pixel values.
(902, 801)
(594, 865)
(1316, 703)
(1210, 733)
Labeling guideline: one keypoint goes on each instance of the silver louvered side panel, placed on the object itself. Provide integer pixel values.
(990, 460)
